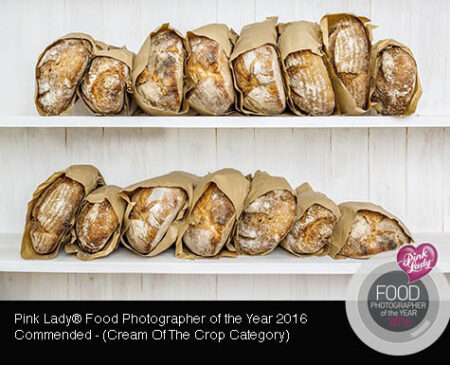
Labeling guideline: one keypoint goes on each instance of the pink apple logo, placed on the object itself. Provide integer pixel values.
(418, 261)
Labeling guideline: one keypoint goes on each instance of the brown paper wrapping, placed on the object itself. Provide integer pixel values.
(296, 37)
(121, 54)
(375, 56)
(344, 225)
(225, 38)
(253, 36)
(261, 184)
(140, 63)
(81, 36)
(235, 186)
(306, 198)
(345, 103)
(86, 175)
(110, 193)
(174, 179)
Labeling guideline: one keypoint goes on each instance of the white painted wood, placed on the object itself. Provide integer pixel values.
(16, 286)
(350, 164)
(387, 179)
(286, 287)
(124, 261)
(446, 182)
(281, 122)
(424, 181)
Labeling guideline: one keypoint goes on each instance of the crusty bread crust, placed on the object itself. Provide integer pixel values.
(265, 222)
(208, 67)
(53, 213)
(161, 82)
(312, 231)
(95, 225)
(209, 223)
(310, 85)
(104, 86)
(350, 51)
(60, 70)
(258, 76)
(373, 233)
(395, 81)
(154, 211)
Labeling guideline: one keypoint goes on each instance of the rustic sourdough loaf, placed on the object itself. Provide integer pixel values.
(53, 212)
(104, 86)
(95, 225)
(154, 211)
(209, 222)
(59, 72)
(208, 66)
(350, 56)
(258, 76)
(265, 222)
(312, 231)
(372, 233)
(395, 81)
(160, 84)
(310, 85)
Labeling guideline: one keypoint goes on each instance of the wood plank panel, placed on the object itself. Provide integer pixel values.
(446, 182)
(387, 169)
(350, 164)
(281, 287)
(425, 197)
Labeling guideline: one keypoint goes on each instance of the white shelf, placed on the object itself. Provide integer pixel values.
(287, 121)
(124, 261)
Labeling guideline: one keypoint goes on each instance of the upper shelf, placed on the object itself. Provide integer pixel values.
(287, 121)
(277, 262)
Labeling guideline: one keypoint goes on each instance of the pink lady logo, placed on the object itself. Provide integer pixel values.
(418, 261)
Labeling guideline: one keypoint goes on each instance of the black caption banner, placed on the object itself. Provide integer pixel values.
(257, 326)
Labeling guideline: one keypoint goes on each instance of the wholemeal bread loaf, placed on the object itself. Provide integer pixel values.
(309, 83)
(95, 225)
(395, 81)
(372, 233)
(104, 86)
(154, 211)
(265, 222)
(258, 76)
(53, 212)
(209, 224)
(312, 231)
(160, 84)
(208, 67)
(350, 56)
(58, 74)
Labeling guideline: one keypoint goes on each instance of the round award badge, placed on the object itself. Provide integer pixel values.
(399, 307)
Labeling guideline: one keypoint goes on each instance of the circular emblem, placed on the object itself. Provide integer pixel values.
(394, 315)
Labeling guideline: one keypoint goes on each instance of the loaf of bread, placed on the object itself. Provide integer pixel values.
(160, 84)
(312, 231)
(104, 86)
(310, 85)
(372, 233)
(395, 81)
(265, 222)
(350, 56)
(210, 222)
(59, 71)
(208, 66)
(258, 76)
(53, 213)
(95, 225)
(154, 211)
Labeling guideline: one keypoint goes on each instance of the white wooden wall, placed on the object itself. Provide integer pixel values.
(405, 170)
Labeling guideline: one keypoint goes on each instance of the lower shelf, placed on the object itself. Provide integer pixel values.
(124, 261)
